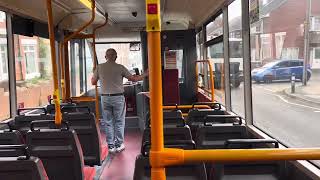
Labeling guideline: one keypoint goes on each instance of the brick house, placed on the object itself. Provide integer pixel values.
(279, 33)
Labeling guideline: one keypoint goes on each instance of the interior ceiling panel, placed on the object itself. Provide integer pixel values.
(181, 14)
(70, 13)
(120, 11)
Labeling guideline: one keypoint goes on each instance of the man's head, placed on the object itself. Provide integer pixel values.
(111, 54)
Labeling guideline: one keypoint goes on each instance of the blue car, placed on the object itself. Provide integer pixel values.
(280, 70)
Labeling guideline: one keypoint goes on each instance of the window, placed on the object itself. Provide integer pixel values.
(317, 53)
(4, 62)
(290, 53)
(30, 56)
(274, 109)
(236, 58)
(215, 28)
(4, 78)
(215, 56)
(283, 64)
(315, 24)
(296, 63)
(34, 82)
(130, 59)
(89, 64)
(173, 59)
(266, 46)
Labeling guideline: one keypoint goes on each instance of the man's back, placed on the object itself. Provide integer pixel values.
(111, 77)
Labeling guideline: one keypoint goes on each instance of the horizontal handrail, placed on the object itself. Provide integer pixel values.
(186, 107)
(83, 99)
(172, 156)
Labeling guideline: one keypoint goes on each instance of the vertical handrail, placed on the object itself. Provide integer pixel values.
(67, 39)
(211, 76)
(153, 24)
(95, 62)
(56, 92)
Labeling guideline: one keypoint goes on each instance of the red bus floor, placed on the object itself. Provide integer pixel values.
(120, 166)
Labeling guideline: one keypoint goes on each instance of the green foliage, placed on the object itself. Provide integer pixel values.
(43, 49)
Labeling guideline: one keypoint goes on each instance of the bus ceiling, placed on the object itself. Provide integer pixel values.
(126, 19)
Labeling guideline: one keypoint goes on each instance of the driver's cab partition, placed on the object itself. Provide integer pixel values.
(170, 90)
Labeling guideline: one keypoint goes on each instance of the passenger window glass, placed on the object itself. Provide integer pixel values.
(288, 117)
(236, 58)
(33, 71)
(215, 56)
(130, 59)
(215, 28)
(4, 71)
(283, 64)
(173, 60)
(294, 64)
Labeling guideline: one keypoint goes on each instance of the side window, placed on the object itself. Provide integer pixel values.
(283, 64)
(295, 64)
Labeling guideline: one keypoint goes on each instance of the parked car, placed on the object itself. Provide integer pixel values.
(280, 70)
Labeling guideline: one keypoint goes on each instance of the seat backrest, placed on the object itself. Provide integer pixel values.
(59, 150)
(84, 123)
(22, 122)
(272, 170)
(214, 136)
(10, 137)
(196, 116)
(142, 170)
(170, 133)
(22, 166)
(51, 107)
(171, 118)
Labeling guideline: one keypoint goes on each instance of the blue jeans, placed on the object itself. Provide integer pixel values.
(114, 112)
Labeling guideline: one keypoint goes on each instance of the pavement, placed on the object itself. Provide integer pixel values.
(309, 94)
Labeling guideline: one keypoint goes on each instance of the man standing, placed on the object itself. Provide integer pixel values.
(112, 98)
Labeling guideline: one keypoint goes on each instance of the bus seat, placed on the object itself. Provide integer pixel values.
(181, 144)
(142, 170)
(10, 137)
(21, 167)
(214, 136)
(84, 124)
(59, 150)
(196, 171)
(196, 117)
(170, 133)
(266, 170)
(170, 119)
(51, 107)
(22, 122)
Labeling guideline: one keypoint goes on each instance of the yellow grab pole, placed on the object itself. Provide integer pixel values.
(68, 38)
(211, 76)
(155, 81)
(95, 62)
(56, 94)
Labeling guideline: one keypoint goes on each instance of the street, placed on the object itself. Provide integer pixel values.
(293, 122)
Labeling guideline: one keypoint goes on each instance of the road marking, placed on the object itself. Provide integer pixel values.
(317, 111)
(286, 101)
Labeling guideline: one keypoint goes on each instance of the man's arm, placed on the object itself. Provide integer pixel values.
(135, 78)
(95, 77)
(94, 81)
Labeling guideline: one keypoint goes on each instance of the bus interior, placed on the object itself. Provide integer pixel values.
(222, 110)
